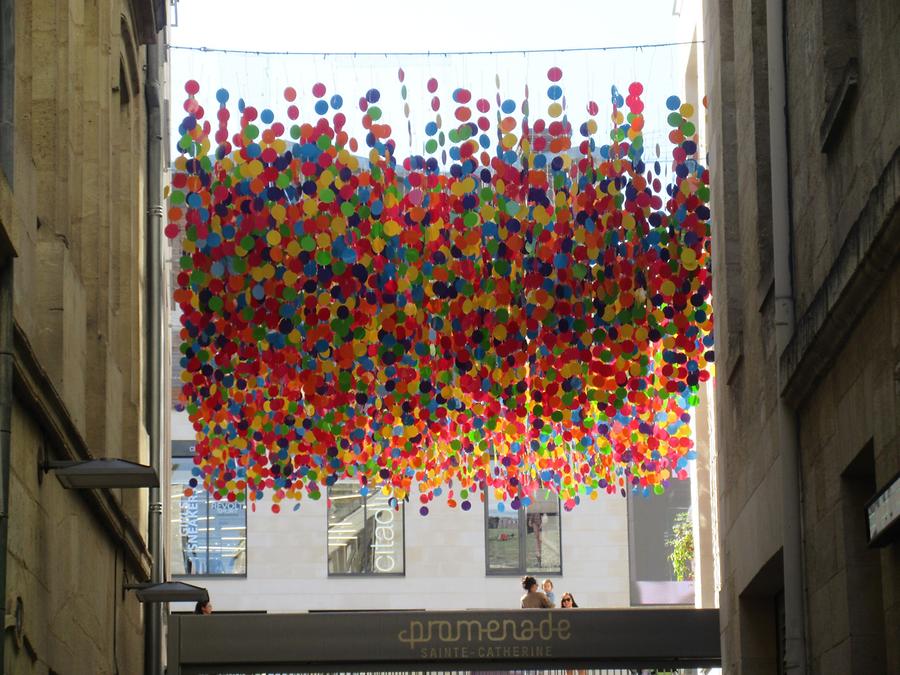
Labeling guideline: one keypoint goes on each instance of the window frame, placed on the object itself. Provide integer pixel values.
(522, 568)
(361, 575)
(185, 450)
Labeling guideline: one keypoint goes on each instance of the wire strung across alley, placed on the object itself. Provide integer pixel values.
(477, 52)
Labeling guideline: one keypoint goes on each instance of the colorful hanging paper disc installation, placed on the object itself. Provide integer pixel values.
(531, 313)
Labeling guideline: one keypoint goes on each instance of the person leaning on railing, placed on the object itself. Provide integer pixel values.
(533, 598)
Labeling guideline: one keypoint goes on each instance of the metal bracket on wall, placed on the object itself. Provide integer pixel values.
(839, 106)
(41, 463)
(16, 621)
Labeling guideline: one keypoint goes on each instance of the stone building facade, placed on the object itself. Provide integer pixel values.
(74, 367)
(802, 591)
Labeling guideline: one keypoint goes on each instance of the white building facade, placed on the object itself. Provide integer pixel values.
(366, 555)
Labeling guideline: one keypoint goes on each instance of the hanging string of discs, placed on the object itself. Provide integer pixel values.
(525, 306)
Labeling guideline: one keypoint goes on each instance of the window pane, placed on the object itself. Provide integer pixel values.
(206, 536)
(650, 521)
(542, 535)
(385, 526)
(188, 526)
(227, 536)
(365, 535)
(502, 536)
(346, 529)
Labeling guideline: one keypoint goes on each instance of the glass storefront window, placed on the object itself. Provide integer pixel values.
(502, 539)
(365, 533)
(207, 537)
(542, 535)
(650, 522)
(523, 541)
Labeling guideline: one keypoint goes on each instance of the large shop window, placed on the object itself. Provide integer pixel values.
(526, 540)
(365, 533)
(650, 529)
(208, 537)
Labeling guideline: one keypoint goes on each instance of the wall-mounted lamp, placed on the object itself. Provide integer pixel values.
(169, 591)
(101, 473)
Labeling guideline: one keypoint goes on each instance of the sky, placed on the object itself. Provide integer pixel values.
(435, 27)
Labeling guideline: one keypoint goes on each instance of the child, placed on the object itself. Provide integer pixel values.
(548, 591)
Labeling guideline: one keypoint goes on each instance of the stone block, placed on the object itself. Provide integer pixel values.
(836, 660)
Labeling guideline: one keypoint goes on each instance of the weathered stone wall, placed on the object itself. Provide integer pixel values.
(830, 189)
(75, 216)
(67, 573)
(840, 372)
(749, 470)
(857, 404)
(86, 117)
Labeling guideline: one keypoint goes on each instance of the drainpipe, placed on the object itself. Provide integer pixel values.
(153, 92)
(792, 532)
(6, 404)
